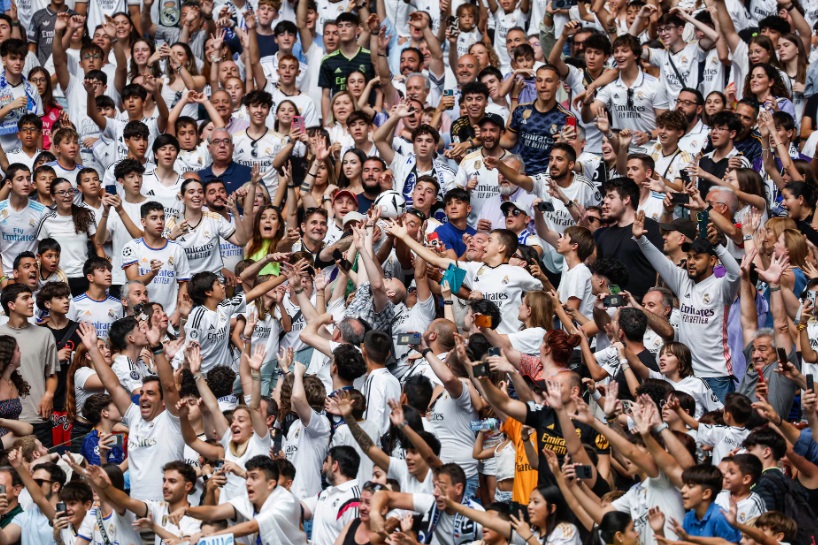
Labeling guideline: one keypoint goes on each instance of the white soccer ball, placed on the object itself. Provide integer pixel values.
(391, 203)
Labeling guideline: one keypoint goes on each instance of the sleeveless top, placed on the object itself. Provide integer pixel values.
(349, 539)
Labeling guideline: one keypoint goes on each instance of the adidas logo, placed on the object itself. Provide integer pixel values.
(338, 71)
(151, 193)
(212, 327)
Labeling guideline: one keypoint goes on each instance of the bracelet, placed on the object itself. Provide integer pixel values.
(325, 199)
(312, 174)
(197, 376)
(790, 7)
(448, 302)
(748, 237)
(802, 326)
(659, 428)
(243, 337)
(774, 289)
(255, 375)
(403, 424)
(158, 349)
(425, 351)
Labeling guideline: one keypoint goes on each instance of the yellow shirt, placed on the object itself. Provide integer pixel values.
(525, 477)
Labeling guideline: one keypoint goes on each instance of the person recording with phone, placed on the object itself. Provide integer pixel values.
(102, 445)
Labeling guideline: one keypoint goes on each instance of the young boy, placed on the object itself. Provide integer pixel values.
(257, 145)
(575, 245)
(137, 138)
(157, 262)
(29, 132)
(66, 147)
(43, 176)
(467, 25)
(78, 499)
(95, 305)
(737, 411)
(164, 183)
(771, 528)
(101, 412)
(524, 70)
(451, 233)
(741, 472)
(704, 518)
(193, 152)
(48, 256)
(17, 96)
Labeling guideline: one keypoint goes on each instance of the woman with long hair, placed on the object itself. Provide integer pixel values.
(357, 531)
(616, 528)
(798, 199)
(12, 385)
(764, 83)
(362, 91)
(81, 383)
(199, 231)
(144, 59)
(341, 106)
(74, 226)
(537, 315)
(714, 103)
(793, 58)
(126, 32)
(749, 188)
(40, 78)
(352, 167)
(268, 231)
(320, 181)
(485, 55)
(181, 74)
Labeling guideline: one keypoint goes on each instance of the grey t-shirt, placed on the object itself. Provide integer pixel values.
(38, 360)
(780, 390)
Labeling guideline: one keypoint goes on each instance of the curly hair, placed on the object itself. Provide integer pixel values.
(7, 346)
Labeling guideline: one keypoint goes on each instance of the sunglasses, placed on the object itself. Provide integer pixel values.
(593, 219)
(630, 98)
(513, 212)
(375, 487)
(417, 213)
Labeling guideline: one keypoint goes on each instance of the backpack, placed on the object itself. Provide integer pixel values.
(796, 506)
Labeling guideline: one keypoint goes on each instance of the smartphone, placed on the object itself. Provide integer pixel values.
(298, 122)
(337, 255)
(110, 189)
(453, 23)
(571, 122)
(810, 382)
(615, 289)
(584, 472)
(345, 265)
(679, 198)
(409, 339)
(119, 440)
(61, 509)
(481, 370)
(448, 92)
(627, 406)
(545, 206)
(613, 301)
(218, 464)
(482, 320)
(782, 355)
(704, 220)
(494, 351)
(2, 489)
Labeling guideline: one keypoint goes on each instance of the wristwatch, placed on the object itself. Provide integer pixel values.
(660, 427)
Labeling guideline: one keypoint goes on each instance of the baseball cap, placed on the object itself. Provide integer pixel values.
(346, 192)
(508, 205)
(684, 226)
(492, 118)
(353, 216)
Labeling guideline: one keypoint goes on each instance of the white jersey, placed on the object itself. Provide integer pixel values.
(231, 253)
(99, 313)
(705, 399)
(703, 309)
(267, 330)
(74, 246)
(450, 419)
(593, 138)
(98, 9)
(652, 492)
(504, 286)
(260, 151)
(193, 160)
(256, 446)
(748, 508)
(278, 520)
(151, 445)
(647, 94)
(581, 190)
(305, 105)
(164, 287)
(201, 243)
(332, 509)
(159, 512)
(411, 320)
(118, 528)
(684, 63)
(306, 447)
(343, 437)
(114, 129)
(211, 329)
(167, 196)
(380, 386)
(409, 484)
(130, 373)
(473, 165)
(723, 439)
(18, 231)
(19, 156)
(68, 174)
(118, 236)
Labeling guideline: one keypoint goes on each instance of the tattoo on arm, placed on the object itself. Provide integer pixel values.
(364, 441)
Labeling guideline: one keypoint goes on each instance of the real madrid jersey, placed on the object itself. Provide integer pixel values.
(504, 286)
(164, 287)
(18, 230)
(260, 151)
(101, 314)
(473, 165)
(118, 528)
(166, 195)
(634, 107)
(211, 329)
(159, 511)
(201, 242)
(536, 132)
(129, 372)
(672, 66)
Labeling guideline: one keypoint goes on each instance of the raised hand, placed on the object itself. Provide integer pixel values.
(396, 416)
(638, 228)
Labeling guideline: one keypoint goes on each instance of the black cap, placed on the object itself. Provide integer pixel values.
(492, 118)
(684, 226)
(702, 246)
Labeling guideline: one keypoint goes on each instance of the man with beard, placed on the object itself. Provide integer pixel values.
(313, 231)
(407, 169)
(568, 192)
(216, 200)
(691, 103)
(473, 175)
(491, 213)
(371, 175)
(220, 145)
(615, 241)
(134, 293)
(337, 505)
(748, 140)
(534, 127)
(705, 300)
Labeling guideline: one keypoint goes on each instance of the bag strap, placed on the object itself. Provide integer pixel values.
(101, 524)
(676, 70)
(71, 329)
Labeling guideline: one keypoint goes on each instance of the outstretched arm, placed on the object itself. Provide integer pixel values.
(341, 404)
(121, 397)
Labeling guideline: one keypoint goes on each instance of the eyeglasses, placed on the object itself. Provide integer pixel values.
(37, 81)
(64, 193)
(512, 212)
(687, 103)
(630, 98)
(41, 482)
(221, 142)
(417, 213)
(29, 129)
(91, 56)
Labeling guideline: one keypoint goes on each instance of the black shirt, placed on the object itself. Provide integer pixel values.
(335, 68)
(617, 242)
(62, 339)
(549, 434)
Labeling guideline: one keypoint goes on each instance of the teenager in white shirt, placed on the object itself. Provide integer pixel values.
(20, 217)
(95, 305)
(163, 183)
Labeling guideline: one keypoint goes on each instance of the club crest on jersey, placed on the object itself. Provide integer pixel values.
(554, 128)
(505, 280)
(4, 214)
(478, 164)
(170, 260)
(706, 298)
(526, 115)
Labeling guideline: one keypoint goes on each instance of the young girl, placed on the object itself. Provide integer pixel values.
(181, 73)
(714, 103)
(793, 57)
(198, 231)
(74, 227)
(40, 77)
(362, 91)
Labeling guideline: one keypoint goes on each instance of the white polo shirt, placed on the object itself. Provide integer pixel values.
(332, 509)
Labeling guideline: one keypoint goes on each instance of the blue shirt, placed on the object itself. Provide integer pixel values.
(713, 524)
(234, 177)
(453, 237)
(90, 450)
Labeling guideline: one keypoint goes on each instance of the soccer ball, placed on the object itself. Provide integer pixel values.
(391, 203)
